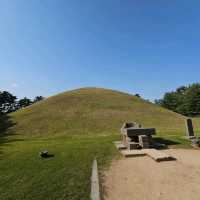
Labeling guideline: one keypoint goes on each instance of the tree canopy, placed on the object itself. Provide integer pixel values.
(9, 102)
(184, 100)
(24, 102)
(38, 98)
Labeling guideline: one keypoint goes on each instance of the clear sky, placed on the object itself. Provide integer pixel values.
(137, 46)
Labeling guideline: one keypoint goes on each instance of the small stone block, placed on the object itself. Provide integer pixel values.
(133, 153)
(120, 145)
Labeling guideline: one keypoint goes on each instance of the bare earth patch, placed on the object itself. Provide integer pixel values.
(141, 178)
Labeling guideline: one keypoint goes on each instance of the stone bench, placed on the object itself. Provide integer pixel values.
(134, 136)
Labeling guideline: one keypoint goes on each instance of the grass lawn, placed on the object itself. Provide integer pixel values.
(93, 116)
(24, 175)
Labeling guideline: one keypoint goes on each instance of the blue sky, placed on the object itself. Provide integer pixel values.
(145, 47)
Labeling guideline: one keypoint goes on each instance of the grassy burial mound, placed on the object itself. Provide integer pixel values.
(70, 126)
(92, 111)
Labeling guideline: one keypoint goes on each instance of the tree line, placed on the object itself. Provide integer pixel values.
(184, 100)
(10, 103)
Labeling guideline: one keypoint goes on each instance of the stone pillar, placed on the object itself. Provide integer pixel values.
(189, 128)
(124, 139)
(144, 141)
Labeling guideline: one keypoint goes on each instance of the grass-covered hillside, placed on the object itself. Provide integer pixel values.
(92, 111)
(75, 127)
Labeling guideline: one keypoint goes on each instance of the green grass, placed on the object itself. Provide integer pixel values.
(92, 111)
(76, 127)
(66, 175)
(24, 175)
(196, 124)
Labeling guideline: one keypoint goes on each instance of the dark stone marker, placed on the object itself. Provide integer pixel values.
(189, 128)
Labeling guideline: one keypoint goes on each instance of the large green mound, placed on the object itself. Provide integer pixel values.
(92, 111)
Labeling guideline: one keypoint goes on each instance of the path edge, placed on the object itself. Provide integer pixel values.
(95, 189)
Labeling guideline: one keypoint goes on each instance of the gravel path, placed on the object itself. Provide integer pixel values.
(141, 178)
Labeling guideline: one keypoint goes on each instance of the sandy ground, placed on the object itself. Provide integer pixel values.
(141, 178)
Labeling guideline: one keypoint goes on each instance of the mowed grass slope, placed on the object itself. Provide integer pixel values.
(75, 127)
(92, 111)
(65, 176)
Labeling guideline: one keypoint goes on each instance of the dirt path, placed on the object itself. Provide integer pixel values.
(141, 178)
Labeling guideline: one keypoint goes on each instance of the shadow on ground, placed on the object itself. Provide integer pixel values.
(47, 156)
(5, 124)
(163, 143)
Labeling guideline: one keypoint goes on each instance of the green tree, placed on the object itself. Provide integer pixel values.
(185, 100)
(138, 95)
(192, 100)
(7, 102)
(171, 101)
(38, 98)
(22, 103)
